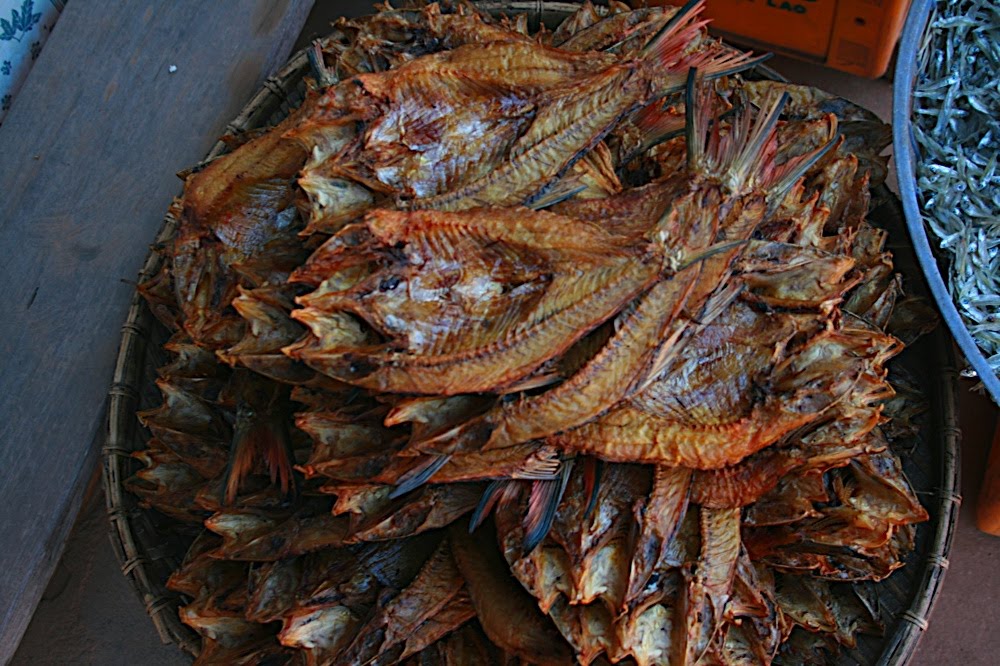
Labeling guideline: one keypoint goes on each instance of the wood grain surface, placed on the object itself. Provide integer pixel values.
(88, 153)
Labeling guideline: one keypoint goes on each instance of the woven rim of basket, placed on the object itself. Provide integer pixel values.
(144, 558)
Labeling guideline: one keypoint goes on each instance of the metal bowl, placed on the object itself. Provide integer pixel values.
(932, 263)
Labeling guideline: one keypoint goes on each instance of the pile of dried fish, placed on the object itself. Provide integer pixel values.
(535, 348)
(956, 125)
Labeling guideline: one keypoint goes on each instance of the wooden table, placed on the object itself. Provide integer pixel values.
(124, 94)
(81, 204)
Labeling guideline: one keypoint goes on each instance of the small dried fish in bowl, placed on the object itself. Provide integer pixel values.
(567, 347)
(955, 111)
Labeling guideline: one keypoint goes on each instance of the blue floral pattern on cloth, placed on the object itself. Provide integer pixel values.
(24, 27)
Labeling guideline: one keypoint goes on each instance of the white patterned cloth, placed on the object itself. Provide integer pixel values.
(24, 27)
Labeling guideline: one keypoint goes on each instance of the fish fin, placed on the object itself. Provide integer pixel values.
(664, 355)
(270, 444)
(489, 499)
(508, 495)
(659, 520)
(758, 145)
(531, 383)
(657, 124)
(419, 475)
(668, 47)
(239, 467)
(696, 119)
(724, 61)
(743, 157)
(710, 251)
(538, 467)
(592, 471)
(667, 51)
(717, 303)
(324, 77)
(279, 459)
(542, 505)
(665, 41)
(358, 173)
(472, 435)
(563, 189)
(782, 178)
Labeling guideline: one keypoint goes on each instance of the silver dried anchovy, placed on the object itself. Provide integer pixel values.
(956, 125)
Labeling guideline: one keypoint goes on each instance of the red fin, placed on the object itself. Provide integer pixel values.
(491, 495)
(240, 465)
(591, 473)
(264, 438)
(657, 124)
(669, 43)
(668, 51)
(277, 456)
(741, 158)
(719, 60)
(542, 505)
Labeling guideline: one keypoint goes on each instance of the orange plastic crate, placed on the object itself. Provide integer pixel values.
(856, 36)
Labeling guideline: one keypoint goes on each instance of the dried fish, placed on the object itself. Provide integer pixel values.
(956, 106)
(501, 349)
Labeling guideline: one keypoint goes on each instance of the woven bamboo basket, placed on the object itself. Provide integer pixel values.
(149, 549)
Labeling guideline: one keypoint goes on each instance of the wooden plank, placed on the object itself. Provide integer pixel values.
(89, 152)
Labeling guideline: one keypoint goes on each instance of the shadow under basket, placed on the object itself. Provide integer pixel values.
(149, 550)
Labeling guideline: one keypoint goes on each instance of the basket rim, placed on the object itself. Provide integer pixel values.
(126, 518)
(904, 148)
(124, 514)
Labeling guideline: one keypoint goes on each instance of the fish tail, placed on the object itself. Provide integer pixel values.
(759, 141)
(699, 108)
(719, 60)
(535, 468)
(324, 77)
